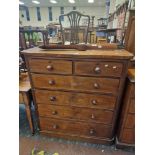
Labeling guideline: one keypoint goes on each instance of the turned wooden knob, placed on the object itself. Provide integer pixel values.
(94, 102)
(52, 98)
(51, 82)
(92, 131)
(55, 126)
(92, 116)
(97, 69)
(54, 112)
(49, 67)
(96, 85)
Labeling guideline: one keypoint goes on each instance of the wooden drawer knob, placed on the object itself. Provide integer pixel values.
(94, 102)
(49, 67)
(97, 70)
(51, 82)
(96, 85)
(114, 67)
(106, 65)
(52, 98)
(92, 116)
(92, 131)
(55, 126)
(54, 112)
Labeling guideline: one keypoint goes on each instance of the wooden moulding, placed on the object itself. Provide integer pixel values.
(94, 140)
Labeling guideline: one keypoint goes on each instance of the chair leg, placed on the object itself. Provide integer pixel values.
(27, 102)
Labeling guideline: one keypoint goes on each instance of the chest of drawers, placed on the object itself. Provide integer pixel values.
(77, 93)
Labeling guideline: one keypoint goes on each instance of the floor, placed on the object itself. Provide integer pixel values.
(27, 142)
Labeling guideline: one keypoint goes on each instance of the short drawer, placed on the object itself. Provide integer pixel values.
(98, 68)
(82, 114)
(89, 84)
(50, 66)
(75, 128)
(75, 99)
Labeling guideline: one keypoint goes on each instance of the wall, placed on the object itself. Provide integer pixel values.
(98, 12)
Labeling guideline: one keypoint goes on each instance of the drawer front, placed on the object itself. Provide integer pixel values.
(132, 106)
(50, 66)
(98, 68)
(128, 136)
(75, 99)
(75, 128)
(57, 82)
(130, 121)
(67, 112)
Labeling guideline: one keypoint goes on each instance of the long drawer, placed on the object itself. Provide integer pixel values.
(75, 128)
(89, 84)
(83, 114)
(75, 99)
(50, 66)
(98, 68)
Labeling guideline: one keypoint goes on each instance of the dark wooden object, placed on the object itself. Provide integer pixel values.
(77, 94)
(82, 47)
(74, 19)
(26, 97)
(126, 130)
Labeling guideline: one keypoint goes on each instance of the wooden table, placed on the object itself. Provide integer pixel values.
(25, 96)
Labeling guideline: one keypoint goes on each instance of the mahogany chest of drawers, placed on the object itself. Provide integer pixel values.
(77, 93)
(126, 130)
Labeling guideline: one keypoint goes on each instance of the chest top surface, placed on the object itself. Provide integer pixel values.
(107, 53)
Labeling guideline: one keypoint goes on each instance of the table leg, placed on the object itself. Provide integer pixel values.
(27, 102)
